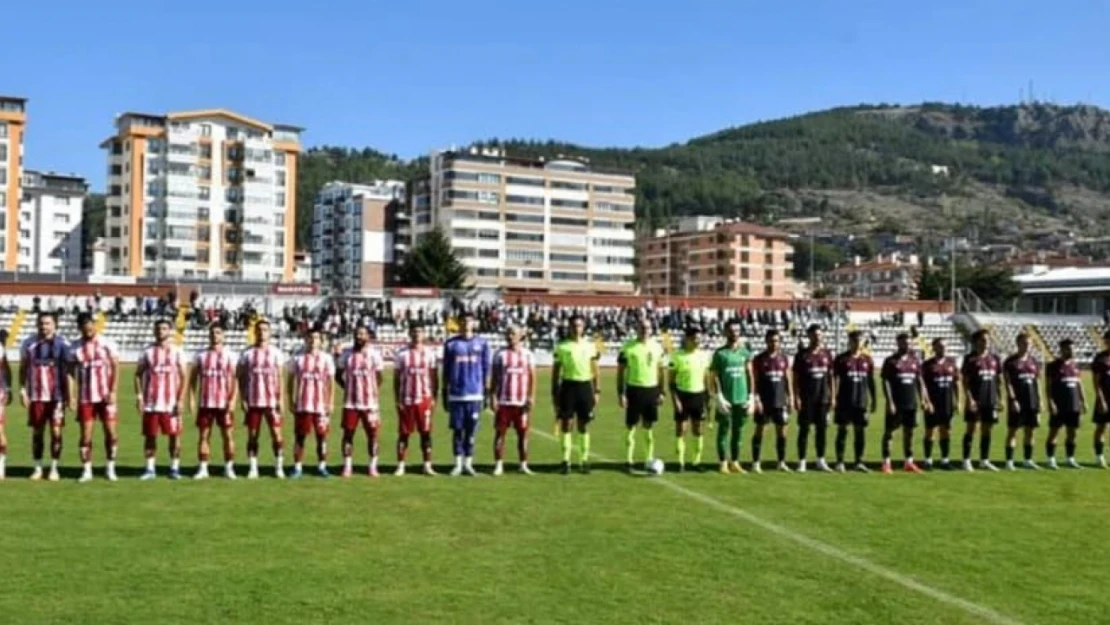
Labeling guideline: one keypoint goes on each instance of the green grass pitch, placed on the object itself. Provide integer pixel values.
(945, 548)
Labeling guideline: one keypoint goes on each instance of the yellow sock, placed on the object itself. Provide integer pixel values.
(699, 446)
(649, 444)
(584, 447)
(680, 448)
(630, 444)
(566, 446)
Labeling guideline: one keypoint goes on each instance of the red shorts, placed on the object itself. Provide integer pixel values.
(416, 418)
(161, 422)
(220, 417)
(102, 411)
(255, 416)
(511, 417)
(40, 413)
(369, 419)
(308, 422)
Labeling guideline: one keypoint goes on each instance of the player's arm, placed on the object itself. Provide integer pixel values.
(872, 392)
(113, 378)
(397, 381)
(193, 384)
(965, 374)
(957, 391)
(182, 373)
(448, 364)
(829, 388)
(661, 374)
(595, 373)
(1082, 397)
(998, 395)
(1048, 371)
(923, 392)
(531, 384)
(835, 390)
(749, 371)
(5, 378)
(1011, 396)
(487, 362)
(672, 383)
(556, 377)
(495, 383)
(71, 373)
(241, 378)
(433, 379)
(379, 370)
(329, 387)
(232, 392)
(291, 383)
(1096, 372)
(24, 376)
(621, 368)
(140, 371)
(888, 393)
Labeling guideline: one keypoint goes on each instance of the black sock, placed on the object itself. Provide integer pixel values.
(803, 442)
(1027, 449)
(886, 445)
(780, 448)
(757, 447)
(1069, 447)
(967, 445)
(1099, 446)
(1009, 452)
(860, 442)
(841, 443)
(821, 439)
(945, 447)
(985, 446)
(928, 445)
(1050, 450)
(907, 447)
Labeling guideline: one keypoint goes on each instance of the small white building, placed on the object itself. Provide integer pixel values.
(50, 222)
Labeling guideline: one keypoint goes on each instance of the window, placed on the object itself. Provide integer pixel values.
(460, 175)
(527, 256)
(563, 184)
(575, 204)
(767, 291)
(533, 275)
(524, 219)
(524, 236)
(232, 133)
(25, 234)
(568, 275)
(489, 197)
(279, 159)
(567, 221)
(206, 130)
(3, 152)
(489, 253)
(279, 198)
(613, 207)
(61, 218)
(3, 176)
(463, 233)
(613, 260)
(768, 259)
(231, 215)
(600, 188)
(745, 274)
(466, 252)
(768, 274)
(231, 236)
(602, 223)
(532, 182)
(486, 272)
(3, 199)
(489, 235)
(489, 178)
(527, 200)
(743, 257)
(744, 289)
(557, 257)
(231, 258)
(279, 178)
(279, 260)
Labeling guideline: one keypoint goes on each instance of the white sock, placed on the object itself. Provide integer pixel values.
(203, 466)
(150, 464)
(278, 460)
(53, 465)
(87, 466)
(347, 462)
(458, 461)
(254, 463)
(297, 466)
(468, 461)
(111, 465)
(38, 465)
(175, 464)
(374, 462)
(322, 465)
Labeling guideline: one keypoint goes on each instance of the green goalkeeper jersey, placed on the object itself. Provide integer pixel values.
(730, 367)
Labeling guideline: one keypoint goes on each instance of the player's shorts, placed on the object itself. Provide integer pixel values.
(100, 411)
(1023, 419)
(305, 423)
(693, 406)
(415, 418)
(1064, 420)
(41, 413)
(220, 417)
(813, 414)
(985, 414)
(738, 416)
(460, 413)
(901, 419)
(255, 416)
(778, 416)
(642, 405)
(847, 416)
(166, 423)
(576, 400)
(515, 417)
(352, 418)
(939, 419)
(1101, 418)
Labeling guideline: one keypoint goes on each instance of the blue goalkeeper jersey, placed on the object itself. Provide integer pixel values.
(466, 368)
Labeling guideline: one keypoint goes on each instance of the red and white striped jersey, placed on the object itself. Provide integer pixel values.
(46, 361)
(414, 367)
(93, 360)
(262, 366)
(161, 381)
(360, 376)
(216, 377)
(312, 373)
(515, 383)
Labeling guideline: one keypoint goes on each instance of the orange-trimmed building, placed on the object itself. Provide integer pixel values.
(201, 194)
(891, 276)
(13, 120)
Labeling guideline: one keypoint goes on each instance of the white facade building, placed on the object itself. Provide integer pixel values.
(353, 235)
(50, 213)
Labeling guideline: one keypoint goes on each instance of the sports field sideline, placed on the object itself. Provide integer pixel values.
(1021, 547)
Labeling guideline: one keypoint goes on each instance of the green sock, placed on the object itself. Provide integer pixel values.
(566, 444)
(630, 444)
(680, 448)
(737, 436)
(722, 440)
(699, 446)
(584, 447)
(649, 444)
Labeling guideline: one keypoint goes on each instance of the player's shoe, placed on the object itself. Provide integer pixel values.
(887, 470)
(1102, 463)
(297, 473)
(801, 466)
(524, 469)
(372, 471)
(563, 469)
(681, 467)
(229, 473)
(279, 472)
(735, 467)
(322, 472)
(928, 464)
(86, 476)
(457, 471)
(36, 474)
(498, 469)
(110, 473)
(54, 476)
(987, 465)
(946, 464)
(346, 471)
(1073, 463)
(823, 466)
(400, 470)
(911, 467)
(429, 470)
(630, 468)
(1029, 464)
(201, 474)
(861, 468)
(1052, 464)
(968, 466)
(252, 474)
(723, 470)
(1010, 465)
(585, 467)
(149, 474)
(468, 468)
(175, 474)
(840, 468)
(783, 468)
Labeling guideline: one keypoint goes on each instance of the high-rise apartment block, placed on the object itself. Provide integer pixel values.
(555, 225)
(204, 194)
(711, 256)
(353, 235)
(50, 213)
(13, 119)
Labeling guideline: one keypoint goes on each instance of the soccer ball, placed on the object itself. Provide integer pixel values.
(656, 467)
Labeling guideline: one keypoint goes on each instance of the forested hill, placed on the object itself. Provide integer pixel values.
(1012, 171)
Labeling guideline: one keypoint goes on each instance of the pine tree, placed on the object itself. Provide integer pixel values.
(433, 263)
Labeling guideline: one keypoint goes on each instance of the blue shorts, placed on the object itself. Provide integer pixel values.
(464, 413)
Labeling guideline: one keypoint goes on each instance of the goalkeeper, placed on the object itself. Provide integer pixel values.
(731, 376)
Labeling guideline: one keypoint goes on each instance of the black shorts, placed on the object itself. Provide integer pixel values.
(1023, 419)
(642, 405)
(901, 419)
(693, 406)
(855, 417)
(813, 414)
(939, 419)
(1064, 420)
(778, 416)
(576, 400)
(1101, 418)
(985, 414)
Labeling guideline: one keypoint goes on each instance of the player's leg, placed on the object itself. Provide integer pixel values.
(1027, 444)
(969, 436)
(889, 428)
(757, 441)
(909, 424)
(985, 443)
(171, 427)
(944, 434)
(1012, 426)
(680, 438)
(470, 419)
(3, 446)
(277, 441)
(696, 422)
(859, 440)
(840, 443)
(723, 420)
(584, 413)
(227, 433)
(204, 443)
(86, 421)
(372, 424)
(650, 416)
(348, 444)
(301, 423)
(150, 443)
(1099, 440)
(110, 425)
(456, 411)
(254, 430)
(805, 423)
(782, 430)
(424, 427)
(406, 423)
(1071, 426)
(322, 429)
(1050, 441)
(521, 424)
(738, 416)
(820, 438)
(57, 421)
(501, 421)
(632, 416)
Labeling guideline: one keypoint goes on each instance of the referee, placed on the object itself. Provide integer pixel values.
(574, 390)
(639, 373)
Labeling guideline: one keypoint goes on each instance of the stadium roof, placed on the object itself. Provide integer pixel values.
(1067, 280)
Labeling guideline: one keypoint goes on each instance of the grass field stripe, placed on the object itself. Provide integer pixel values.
(828, 550)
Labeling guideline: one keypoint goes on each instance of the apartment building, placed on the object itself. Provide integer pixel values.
(201, 194)
(50, 213)
(887, 276)
(353, 228)
(711, 256)
(13, 120)
(556, 225)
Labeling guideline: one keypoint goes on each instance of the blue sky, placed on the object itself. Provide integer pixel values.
(422, 74)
